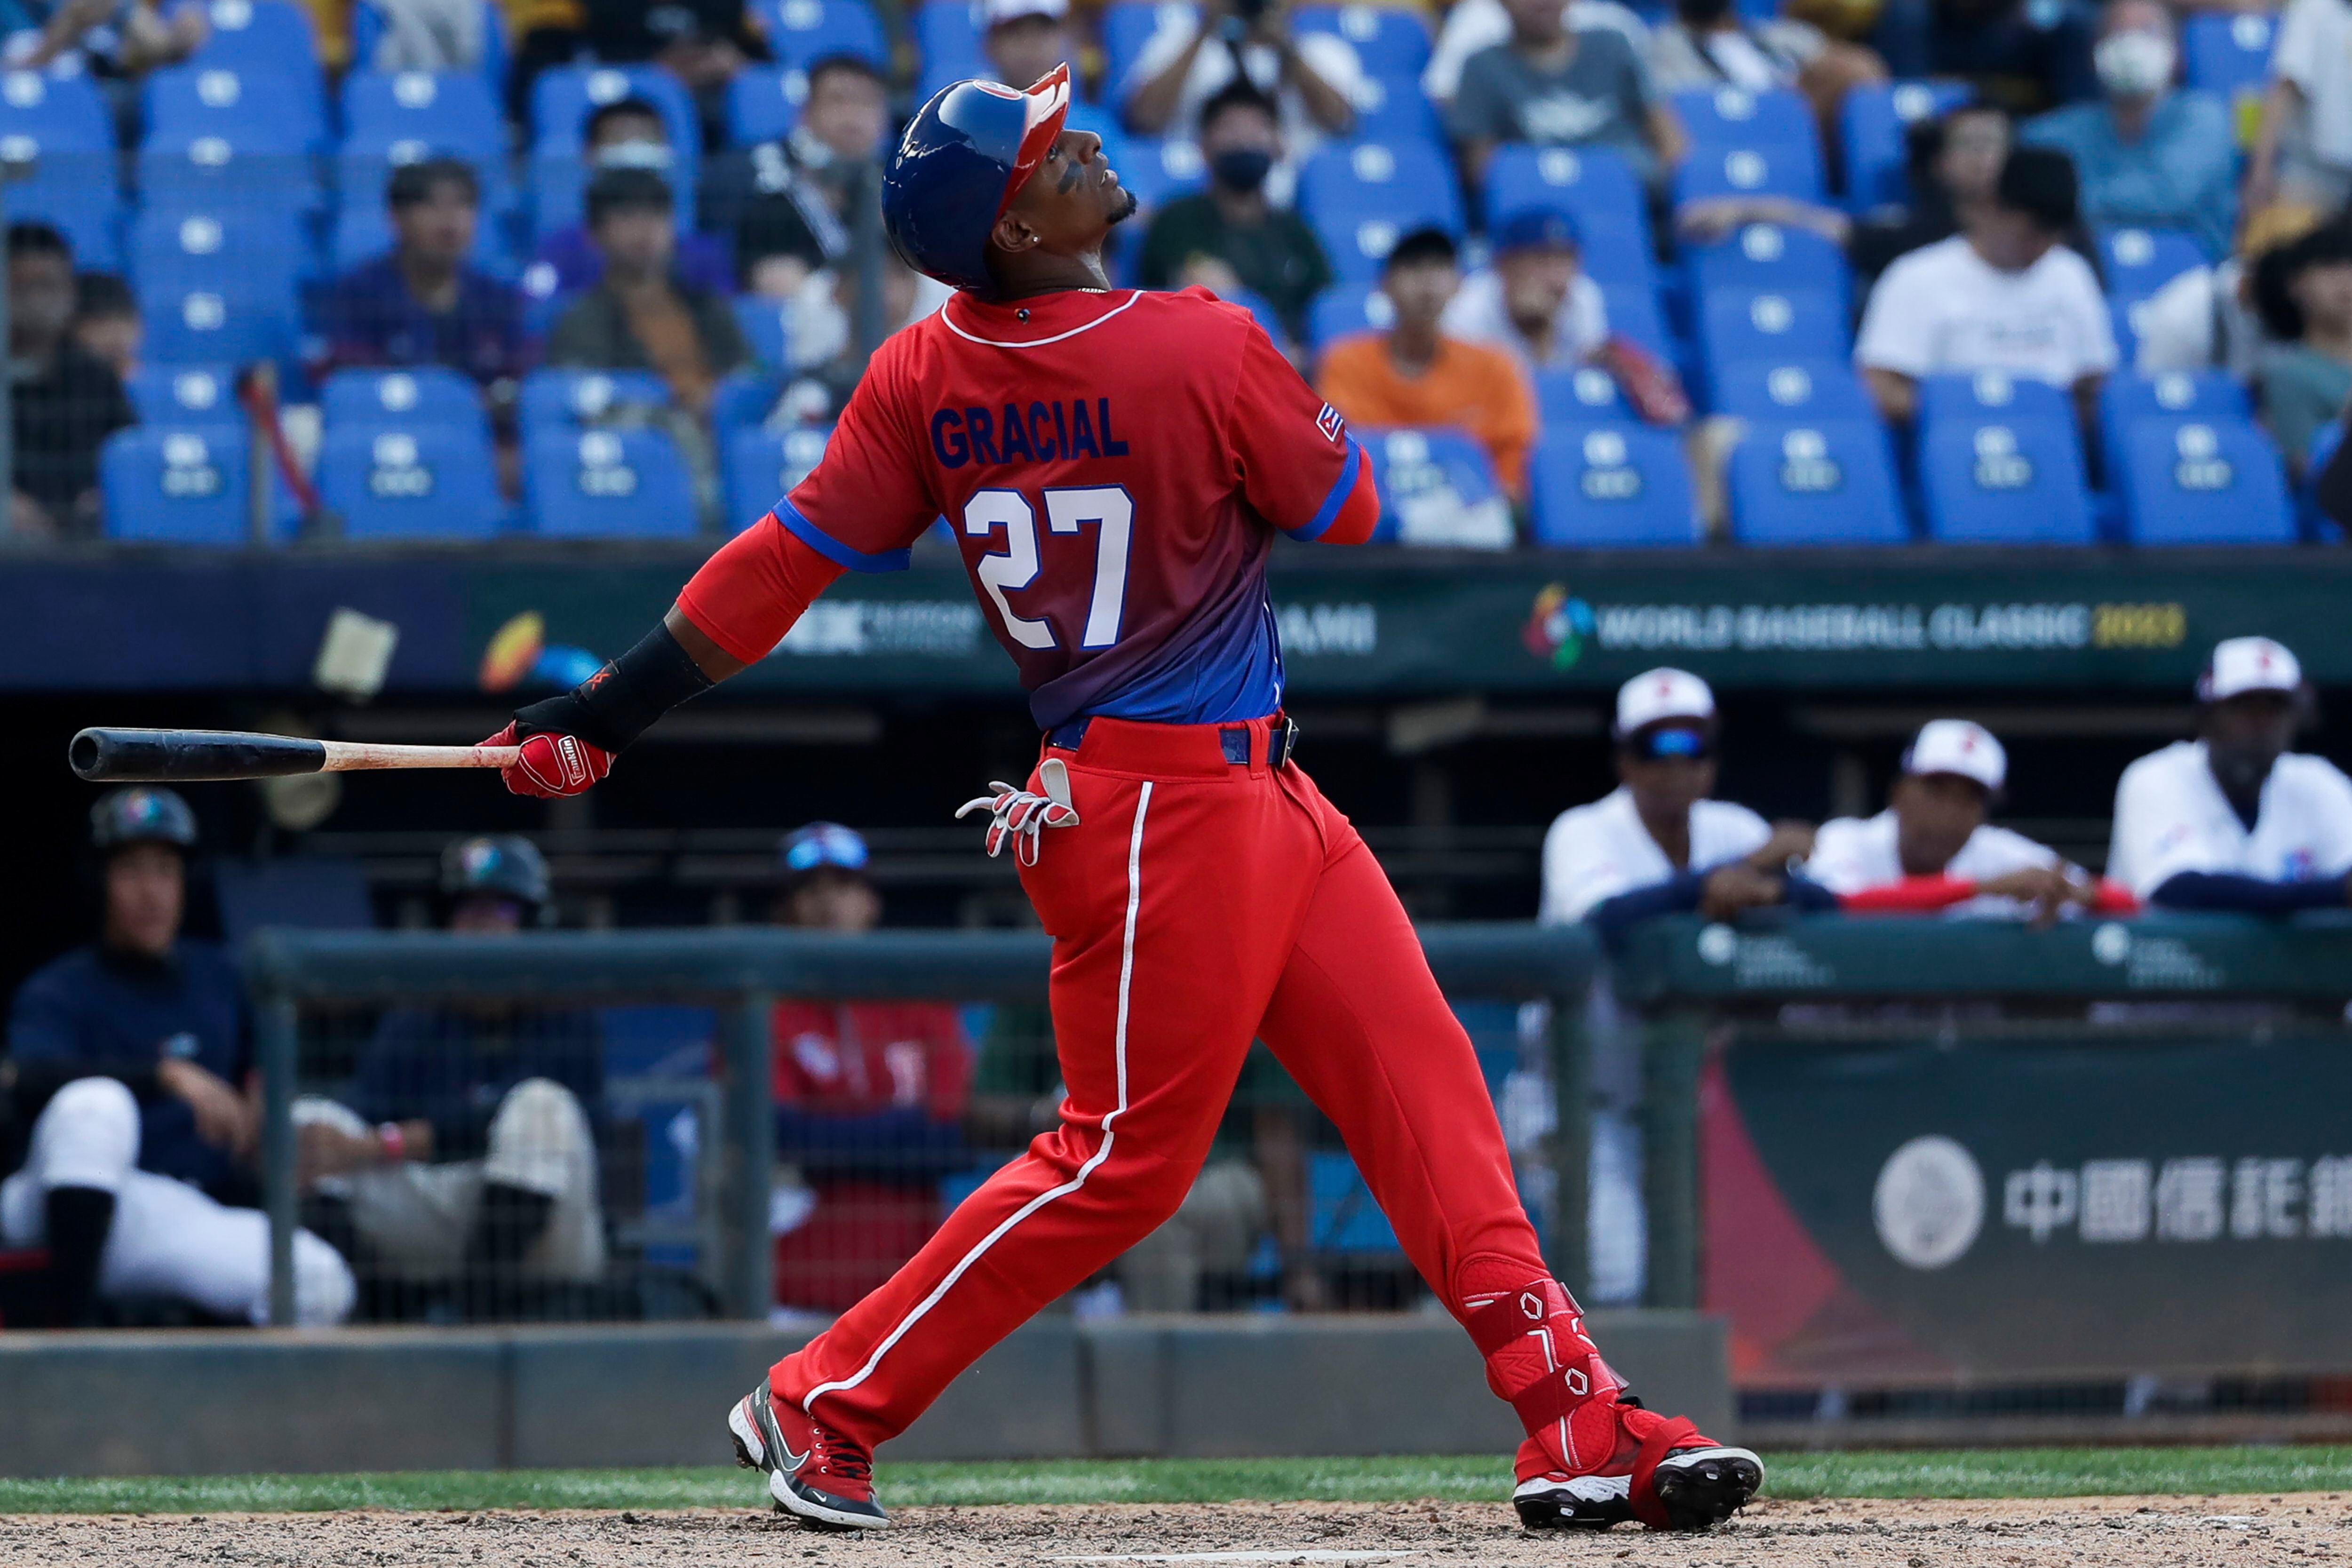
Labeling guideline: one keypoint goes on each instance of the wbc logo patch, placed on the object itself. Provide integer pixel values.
(1330, 424)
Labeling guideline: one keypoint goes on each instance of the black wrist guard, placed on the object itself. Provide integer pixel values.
(620, 701)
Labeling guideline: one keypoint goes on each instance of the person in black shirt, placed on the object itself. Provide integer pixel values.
(787, 202)
(65, 403)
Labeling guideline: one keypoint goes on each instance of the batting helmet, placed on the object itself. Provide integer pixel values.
(142, 815)
(507, 866)
(959, 167)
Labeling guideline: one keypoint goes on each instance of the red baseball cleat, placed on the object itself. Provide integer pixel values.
(1663, 1473)
(819, 1475)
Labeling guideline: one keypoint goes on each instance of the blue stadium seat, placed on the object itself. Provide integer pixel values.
(562, 98)
(2126, 400)
(1617, 254)
(1830, 483)
(1342, 1217)
(1789, 169)
(1127, 27)
(406, 115)
(1606, 486)
(226, 249)
(1634, 312)
(1993, 395)
(1578, 395)
(59, 113)
(1346, 308)
(2139, 261)
(741, 400)
(419, 481)
(1793, 389)
(802, 31)
(949, 41)
(184, 394)
(567, 398)
(1394, 111)
(1157, 171)
(1721, 118)
(2316, 525)
(2228, 53)
(252, 111)
(559, 192)
(1261, 310)
(201, 326)
(1991, 480)
(1391, 42)
(764, 465)
(763, 323)
(1736, 325)
(1360, 197)
(418, 397)
(75, 194)
(2194, 482)
(764, 103)
(212, 171)
(627, 484)
(181, 484)
(1874, 123)
(1437, 488)
(261, 36)
(1770, 256)
(1589, 183)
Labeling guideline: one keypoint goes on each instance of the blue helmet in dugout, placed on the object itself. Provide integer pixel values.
(963, 159)
(505, 866)
(141, 814)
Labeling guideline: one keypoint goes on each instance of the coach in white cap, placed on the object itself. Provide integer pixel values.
(2233, 820)
(1657, 844)
(1932, 849)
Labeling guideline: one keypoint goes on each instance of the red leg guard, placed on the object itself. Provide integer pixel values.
(1539, 1358)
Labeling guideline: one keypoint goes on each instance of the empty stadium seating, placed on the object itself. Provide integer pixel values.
(606, 483)
(804, 31)
(1829, 481)
(763, 465)
(424, 396)
(1360, 197)
(1985, 480)
(2198, 481)
(572, 397)
(1437, 488)
(404, 115)
(177, 484)
(425, 480)
(1607, 486)
(1737, 326)
(1793, 389)
(1768, 256)
(1590, 185)
(186, 395)
(763, 103)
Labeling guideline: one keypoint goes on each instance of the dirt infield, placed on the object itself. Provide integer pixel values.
(2071, 1532)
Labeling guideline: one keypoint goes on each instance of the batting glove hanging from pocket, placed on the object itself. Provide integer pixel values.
(1020, 815)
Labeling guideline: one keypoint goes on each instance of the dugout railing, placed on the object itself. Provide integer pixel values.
(1944, 1176)
(321, 998)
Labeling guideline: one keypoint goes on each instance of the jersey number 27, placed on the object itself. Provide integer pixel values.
(1068, 509)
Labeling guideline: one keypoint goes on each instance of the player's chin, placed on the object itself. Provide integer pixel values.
(1123, 204)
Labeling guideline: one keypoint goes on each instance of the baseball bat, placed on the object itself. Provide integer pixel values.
(182, 756)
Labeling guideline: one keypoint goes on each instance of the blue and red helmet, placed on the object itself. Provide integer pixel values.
(959, 167)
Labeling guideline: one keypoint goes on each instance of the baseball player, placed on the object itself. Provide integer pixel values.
(1114, 466)
(1932, 849)
(2233, 820)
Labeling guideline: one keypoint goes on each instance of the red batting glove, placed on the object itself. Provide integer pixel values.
(551, 765)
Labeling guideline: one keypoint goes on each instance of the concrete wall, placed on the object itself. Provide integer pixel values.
(208, 1403)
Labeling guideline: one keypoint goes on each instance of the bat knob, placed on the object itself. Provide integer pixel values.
(86, 755)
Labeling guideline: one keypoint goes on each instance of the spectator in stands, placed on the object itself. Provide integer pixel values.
(545, 33)
(114, 39)
(2025, 55)
(2304, 152)
(1414, 375)
(1472, 26)
(870, 1096)
(2004, 294)
(785, 202)
(1932, 849)
(130, 1058)
(643, 316)
(1231, 237)
(1557, 87)
(1658, 843)
(1024, 39)
(1535, 303)
(2145, 153)
(1709, 44)
(821, 332)
(2206, 318)
(106, 324)
(428, 35)
(1313, 76)
(2305, 301)
(2233, 820)
(65, 402)
(467, 1154)
(424, 303)
(626, 134)
(703, 43)
(1955, 165)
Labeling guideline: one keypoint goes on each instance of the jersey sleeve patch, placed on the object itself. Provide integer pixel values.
(833, 550)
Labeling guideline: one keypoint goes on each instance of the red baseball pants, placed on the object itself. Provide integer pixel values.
(1197, 904)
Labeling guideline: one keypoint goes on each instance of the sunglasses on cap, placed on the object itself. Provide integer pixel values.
(1671, 740)
(827, 844)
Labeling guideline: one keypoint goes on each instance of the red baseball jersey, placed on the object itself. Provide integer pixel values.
(1114, 465)
(846, 1058)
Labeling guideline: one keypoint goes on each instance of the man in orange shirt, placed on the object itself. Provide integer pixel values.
(1414, 375)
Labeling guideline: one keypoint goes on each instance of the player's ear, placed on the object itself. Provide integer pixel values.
(1012, 233)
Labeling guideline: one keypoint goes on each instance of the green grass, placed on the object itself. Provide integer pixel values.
(1986, 1473)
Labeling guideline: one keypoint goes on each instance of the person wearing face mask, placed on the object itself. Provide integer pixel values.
(2002, 294)
(627, 133)
(2306, 298)
(2146, 154)
(1535, 303)
(786, 201)
(1232, 225)
(2233, 820)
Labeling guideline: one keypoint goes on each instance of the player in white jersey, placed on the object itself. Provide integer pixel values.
(1932, 849)
(2233, 820)
(1657, 844)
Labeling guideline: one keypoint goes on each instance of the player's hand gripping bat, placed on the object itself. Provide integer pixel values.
(178, 756)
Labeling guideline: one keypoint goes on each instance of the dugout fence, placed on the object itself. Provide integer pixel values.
(703, 1088)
